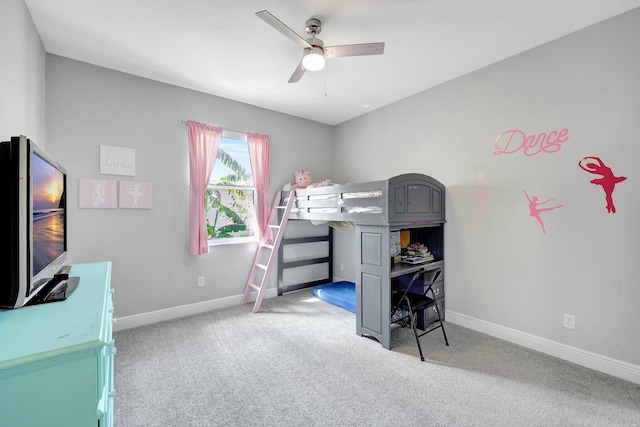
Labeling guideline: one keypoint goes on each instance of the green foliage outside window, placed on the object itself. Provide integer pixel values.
(229, 209)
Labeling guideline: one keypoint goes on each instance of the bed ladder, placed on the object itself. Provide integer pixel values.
(269, 244)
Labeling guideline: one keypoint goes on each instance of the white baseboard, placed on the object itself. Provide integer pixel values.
(128, 322)
(610, 366)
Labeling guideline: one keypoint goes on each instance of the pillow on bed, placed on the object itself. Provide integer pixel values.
(324, 183)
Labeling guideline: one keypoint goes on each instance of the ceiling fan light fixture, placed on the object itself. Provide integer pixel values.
(314, 51)
(313, 59)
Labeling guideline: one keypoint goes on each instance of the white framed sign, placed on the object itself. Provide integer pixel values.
(117, 160)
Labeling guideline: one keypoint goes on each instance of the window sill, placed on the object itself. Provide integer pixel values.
(231, 241)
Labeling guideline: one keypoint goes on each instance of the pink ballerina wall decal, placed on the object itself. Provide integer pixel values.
(608, 181)
(535, 210)
(482, 196)
(482, 204)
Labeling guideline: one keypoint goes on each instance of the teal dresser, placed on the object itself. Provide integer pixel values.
(56, 359)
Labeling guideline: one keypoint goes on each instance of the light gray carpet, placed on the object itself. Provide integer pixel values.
(299, 363)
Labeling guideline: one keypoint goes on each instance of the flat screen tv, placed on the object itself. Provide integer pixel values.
(33, 224)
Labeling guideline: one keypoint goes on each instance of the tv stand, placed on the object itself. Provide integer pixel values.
(59, 288)
(62, 290)
(57, 360)
(63, 273)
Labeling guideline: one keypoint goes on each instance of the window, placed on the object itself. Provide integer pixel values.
(231, 194)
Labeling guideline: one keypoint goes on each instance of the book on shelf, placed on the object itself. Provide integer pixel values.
(416, 260)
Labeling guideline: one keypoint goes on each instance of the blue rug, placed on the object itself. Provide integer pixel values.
(341, 294)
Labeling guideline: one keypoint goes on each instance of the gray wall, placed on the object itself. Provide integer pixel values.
(22, 79)
(89, 106)
(500, 268)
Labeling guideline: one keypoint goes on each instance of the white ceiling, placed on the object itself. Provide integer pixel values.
(222, 48)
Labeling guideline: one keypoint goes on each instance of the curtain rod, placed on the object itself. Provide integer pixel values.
(228, 133)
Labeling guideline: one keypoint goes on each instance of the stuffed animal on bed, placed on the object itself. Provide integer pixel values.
(303, 180)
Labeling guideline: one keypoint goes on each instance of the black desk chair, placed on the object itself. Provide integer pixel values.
(410, 303)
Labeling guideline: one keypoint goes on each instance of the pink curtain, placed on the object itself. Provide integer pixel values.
(204, 141)
(260, 154)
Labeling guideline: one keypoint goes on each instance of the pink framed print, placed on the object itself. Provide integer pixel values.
(136, 194)
(98, 193)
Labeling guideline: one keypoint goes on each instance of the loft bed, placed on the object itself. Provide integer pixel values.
(408, 201)
(402, 199)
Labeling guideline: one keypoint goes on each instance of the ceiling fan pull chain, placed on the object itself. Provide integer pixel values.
(325, 82)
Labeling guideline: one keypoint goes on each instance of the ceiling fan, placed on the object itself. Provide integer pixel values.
(314, 50)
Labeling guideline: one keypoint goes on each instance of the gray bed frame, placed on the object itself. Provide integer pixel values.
(404, 201)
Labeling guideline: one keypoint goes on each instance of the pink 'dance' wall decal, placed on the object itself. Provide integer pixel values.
(535, 208)
(608, 181)
(512, 141)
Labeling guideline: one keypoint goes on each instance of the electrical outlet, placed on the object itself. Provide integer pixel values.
(200, 281)
(341, 266)
(569, 321)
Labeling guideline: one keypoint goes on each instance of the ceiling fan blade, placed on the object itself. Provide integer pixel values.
(280, 26)
(297, 74)
(354, 50)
